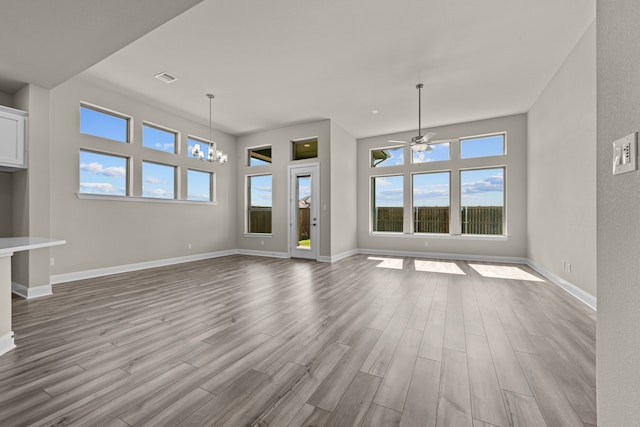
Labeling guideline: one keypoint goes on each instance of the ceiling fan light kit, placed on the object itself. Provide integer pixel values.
(419, 142)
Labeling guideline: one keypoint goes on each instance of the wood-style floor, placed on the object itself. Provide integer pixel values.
(367, 341)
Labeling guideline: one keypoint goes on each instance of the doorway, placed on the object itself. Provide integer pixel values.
(303, 212)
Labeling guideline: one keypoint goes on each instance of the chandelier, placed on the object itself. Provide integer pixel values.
(215, 155)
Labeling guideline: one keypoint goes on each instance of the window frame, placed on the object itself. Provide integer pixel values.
(176, 192)
(487, 135)
(295, 142)
(259, 147)
(504, 199)
(247, 205)
(110, 154)
(413, 207)
(176, 137)
(96, 108)
(402, 147)
(372, 206)
(211, 186)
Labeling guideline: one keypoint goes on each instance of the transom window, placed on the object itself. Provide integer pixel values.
(305, 149)
(260, 156)
(438, 152)
(482, 146)
(158, 138)
(105, 124)
(391, 156)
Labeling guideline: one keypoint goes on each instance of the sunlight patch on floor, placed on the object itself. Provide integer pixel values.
(504, 272)
(392, 263)
(447, 267)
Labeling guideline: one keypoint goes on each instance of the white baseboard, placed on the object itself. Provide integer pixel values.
(338, 257)
(98, 272)
(584, 297)
(442, 255)
(32, 292)
(7, 342)
(263, 253)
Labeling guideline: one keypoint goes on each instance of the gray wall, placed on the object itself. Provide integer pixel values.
(618, 197)
(561, 184)
(344, 191)
(516, 175)
(105, 233)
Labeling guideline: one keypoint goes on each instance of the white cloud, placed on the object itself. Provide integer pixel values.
(99, 187)
(265, 188)
(156, 192)
(152, 180)
(492, 183)
(167, 146)
(99, 169)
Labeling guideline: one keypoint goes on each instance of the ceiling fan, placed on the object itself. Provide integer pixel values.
(419, 142)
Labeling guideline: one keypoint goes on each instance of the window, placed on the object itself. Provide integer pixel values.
(158, 181)
(204, 146)
(393, 156)
(159, 139)
(104, 124)
(305, 149)
(387, 194)
(199, 185)
(260, 156)
(103, 174)
(439, 152)
(482, 201)
(483, 146)
(259, 203)
(431, 202)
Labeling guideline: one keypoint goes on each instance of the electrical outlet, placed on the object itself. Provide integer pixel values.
(52, 262)
(625, 154)
(262, 242)
(426, 244)
(188, 245)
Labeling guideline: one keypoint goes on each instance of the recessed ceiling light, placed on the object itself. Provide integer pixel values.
(374, 111)
(307, 145)
(166, 77)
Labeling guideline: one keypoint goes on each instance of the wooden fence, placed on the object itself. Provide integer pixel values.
(260, 221)
(427, 219)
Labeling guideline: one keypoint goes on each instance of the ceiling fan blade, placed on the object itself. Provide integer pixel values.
(395, 141)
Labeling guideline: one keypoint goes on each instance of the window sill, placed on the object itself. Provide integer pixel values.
(260, 235)
(83, 196)
(440, 236)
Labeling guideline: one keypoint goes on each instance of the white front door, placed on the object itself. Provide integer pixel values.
(303, 211)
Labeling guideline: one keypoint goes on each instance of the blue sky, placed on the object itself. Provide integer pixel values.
(158, 139)
(438, 152)
(103, 125)
(397, 157)
(199, 185)
(261, 190)
(158, 180)
(482, 147)
(103, 174)
(482, 187)
(431, 189)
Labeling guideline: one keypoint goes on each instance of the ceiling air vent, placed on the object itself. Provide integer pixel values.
(165, 77)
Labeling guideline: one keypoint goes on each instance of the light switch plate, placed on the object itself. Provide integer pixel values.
(625, 157)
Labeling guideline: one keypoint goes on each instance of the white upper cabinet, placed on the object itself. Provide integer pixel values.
(13, 139)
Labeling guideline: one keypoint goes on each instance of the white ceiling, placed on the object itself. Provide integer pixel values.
(272, 63)
(46, 42)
